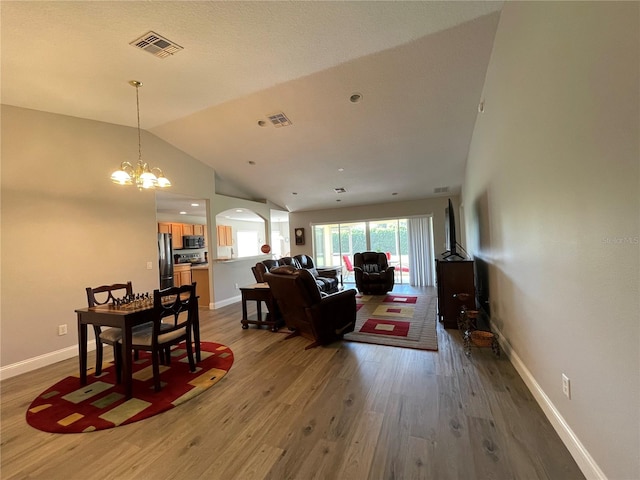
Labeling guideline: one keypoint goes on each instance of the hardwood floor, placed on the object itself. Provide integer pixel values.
(346, 411)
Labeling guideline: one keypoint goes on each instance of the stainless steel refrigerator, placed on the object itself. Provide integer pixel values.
(165, 256)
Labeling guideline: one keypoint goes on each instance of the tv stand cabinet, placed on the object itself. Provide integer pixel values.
(453, 276)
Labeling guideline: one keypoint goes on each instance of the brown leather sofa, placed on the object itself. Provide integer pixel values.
(373, 274)
(325, 284)
(322, 319)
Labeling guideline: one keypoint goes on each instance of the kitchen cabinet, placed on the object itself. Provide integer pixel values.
(200, 275)
(177, 230)
(225, 236)
(176, 235)
(181, 274)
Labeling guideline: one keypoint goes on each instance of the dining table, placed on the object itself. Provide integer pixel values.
(124, 317)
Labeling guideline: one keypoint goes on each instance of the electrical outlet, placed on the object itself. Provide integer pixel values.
(566, 386)
(62, 329)
(149, 265)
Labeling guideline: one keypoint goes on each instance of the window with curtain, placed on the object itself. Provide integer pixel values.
(334, 244)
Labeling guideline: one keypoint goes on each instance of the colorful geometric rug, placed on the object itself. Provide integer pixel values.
(396, 320)
(68, 407)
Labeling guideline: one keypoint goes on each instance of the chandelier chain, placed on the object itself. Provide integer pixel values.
(138, 110)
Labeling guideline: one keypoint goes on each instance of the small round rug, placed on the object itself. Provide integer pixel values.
(68, 407)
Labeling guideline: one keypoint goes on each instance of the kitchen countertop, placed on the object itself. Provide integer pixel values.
(199, 266)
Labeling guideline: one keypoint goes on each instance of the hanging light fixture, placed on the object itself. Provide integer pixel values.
(140, 175)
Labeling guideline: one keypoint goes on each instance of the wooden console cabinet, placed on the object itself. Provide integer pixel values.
(452, 277)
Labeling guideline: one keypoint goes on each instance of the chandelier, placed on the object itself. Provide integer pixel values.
(140, 174)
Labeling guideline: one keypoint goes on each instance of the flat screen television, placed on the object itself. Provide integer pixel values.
(450, 233)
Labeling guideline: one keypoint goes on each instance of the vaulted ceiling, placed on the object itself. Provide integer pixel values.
(418, 68)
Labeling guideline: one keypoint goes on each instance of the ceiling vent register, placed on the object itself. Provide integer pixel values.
(441, 190)
(279, 120)
(156, 45)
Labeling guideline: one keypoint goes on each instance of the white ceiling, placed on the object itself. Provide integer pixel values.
(419, 67)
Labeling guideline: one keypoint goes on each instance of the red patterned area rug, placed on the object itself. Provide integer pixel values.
(396, 320)
(68, 407)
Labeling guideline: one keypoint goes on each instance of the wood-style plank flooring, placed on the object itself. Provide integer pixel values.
(346, 411)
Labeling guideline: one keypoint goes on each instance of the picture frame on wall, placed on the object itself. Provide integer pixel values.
(299, 234)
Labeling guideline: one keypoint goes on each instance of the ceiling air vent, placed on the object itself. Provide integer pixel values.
(156, 45)
(339, 190)
(441, 190)
(279, 120)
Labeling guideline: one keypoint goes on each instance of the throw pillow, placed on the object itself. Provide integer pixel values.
(370, 268)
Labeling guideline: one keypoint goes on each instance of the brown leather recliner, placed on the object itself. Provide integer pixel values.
(373, 273)
(322, 319)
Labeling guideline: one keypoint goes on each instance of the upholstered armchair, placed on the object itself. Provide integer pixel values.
(373, 273)
(321, 319)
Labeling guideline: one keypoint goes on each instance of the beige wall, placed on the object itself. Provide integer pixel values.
(65, 226)
(551, 202)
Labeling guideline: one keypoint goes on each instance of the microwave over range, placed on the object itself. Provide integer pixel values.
(192, 241)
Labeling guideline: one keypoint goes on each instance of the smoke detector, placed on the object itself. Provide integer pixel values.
(156, 44)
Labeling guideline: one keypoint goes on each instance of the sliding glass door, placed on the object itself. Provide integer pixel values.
(335, 244)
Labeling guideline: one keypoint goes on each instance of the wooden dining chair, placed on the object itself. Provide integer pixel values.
(110, 336)
(174, 311)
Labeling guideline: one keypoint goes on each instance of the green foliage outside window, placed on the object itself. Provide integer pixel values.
(385, 240)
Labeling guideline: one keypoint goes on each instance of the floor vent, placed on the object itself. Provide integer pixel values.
(156, 45)
(279, 120)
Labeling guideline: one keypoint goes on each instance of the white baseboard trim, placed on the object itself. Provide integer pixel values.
(226, 301)
(580, 454)
(40, 361)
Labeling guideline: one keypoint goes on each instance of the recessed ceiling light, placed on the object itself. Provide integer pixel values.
(355, 97)
(341, 169)
(183, 213)
(251, 162)
(195, 204)
(338, 200)
(394, 193)
(262, 123)
(294, 193)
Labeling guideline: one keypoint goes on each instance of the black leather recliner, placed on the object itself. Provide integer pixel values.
(373, 273)
(325, 284)
(329, 284)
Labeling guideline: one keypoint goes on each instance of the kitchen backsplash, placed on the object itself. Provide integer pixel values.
(190, 256)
